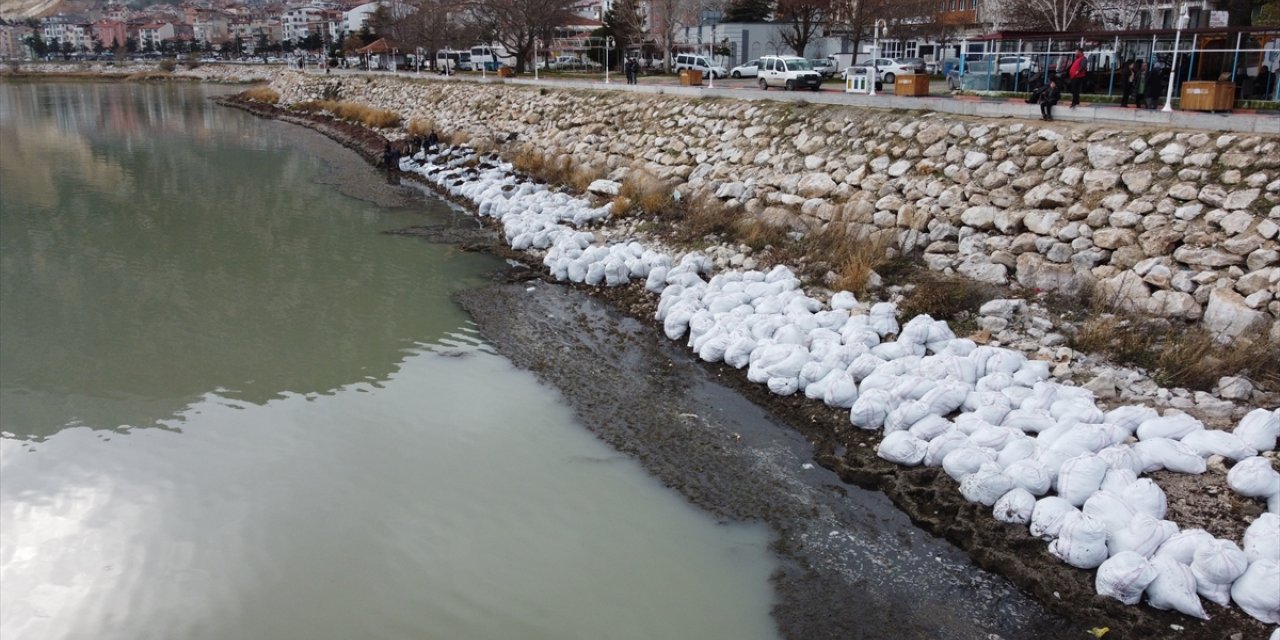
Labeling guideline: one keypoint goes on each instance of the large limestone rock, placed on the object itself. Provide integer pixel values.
(1035, 272)
(816, 185)
(1227, 314)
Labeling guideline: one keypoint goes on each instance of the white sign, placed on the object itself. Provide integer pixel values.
(1217, 19)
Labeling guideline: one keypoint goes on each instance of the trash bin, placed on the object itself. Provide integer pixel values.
(1207, 96)
(506, 72)
(858, 80)
(690, 78)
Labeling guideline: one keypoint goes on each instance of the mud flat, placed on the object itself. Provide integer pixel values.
(852, 564)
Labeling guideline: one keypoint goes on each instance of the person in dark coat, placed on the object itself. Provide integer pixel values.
(433, 141)
(1049, 97)
(1126, 83)
(1154, 83)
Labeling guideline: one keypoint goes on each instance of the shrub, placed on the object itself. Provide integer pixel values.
(353, 112)
(955, 300)
(168, 65)
(261, 94)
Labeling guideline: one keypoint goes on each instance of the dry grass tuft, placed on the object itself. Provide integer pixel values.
(1179, 355)
(261, 94)
(853, 257)
(955, 300)
(622, 206)
(353, 112)
(647, 194)
(758, 234)
(420, 127)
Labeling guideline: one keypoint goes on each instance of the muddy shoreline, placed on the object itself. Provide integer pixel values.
(644, 415)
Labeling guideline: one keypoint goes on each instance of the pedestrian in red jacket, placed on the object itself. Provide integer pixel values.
(1075, 76)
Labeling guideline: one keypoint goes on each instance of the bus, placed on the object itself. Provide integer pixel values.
(450, 61)
(491, 57)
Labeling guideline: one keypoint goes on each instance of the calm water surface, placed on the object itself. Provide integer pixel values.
(230, 408)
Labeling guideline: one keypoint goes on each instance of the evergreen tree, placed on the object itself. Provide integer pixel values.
(748, 11)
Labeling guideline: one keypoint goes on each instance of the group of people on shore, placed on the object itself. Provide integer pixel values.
(1139, 81)
(391, 153)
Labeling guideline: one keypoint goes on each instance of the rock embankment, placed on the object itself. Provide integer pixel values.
(1177, 224)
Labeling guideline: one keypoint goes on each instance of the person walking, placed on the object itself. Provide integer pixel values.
(1139, 87)
(1126, 83)
(1153, 84)
(1049, 96)
(1075, 76)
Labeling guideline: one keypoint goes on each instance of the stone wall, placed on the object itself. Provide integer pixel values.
(1181, 224)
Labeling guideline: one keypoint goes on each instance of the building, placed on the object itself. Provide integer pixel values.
(151, 34)
(13, 42)
(111, 33)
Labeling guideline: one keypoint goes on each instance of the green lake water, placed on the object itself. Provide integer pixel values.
(231, 408)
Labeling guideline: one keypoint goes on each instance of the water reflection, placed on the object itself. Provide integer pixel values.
(140, 271)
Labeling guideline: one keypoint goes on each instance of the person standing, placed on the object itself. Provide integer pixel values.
(1126, 83)
(1155, 74)
(1139, 87)
(1075, 76)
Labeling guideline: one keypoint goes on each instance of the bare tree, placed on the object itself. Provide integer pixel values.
(1124, 14)
(515, 24)
(803, 19)
(1052, 15)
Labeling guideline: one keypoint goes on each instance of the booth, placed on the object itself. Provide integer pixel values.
(1208, 96)
(690, 78)
(911, 84)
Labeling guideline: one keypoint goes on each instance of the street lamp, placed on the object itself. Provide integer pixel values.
(536, 43)
(875, 51)
(1173, 66)
(711, 84)
(608, 44)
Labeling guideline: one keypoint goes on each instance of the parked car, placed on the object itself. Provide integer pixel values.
(746, 70)
(826, 67)
(788, 72)
(699, 63)
(1015, 64)
(888, 69)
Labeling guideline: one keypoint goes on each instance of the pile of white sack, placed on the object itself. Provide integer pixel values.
(1040, 453)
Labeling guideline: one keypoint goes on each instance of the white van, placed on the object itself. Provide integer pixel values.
(699, 63)
(448, 61)
(491, 57)
(789, 72)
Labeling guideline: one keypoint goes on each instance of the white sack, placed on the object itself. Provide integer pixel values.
(930, 427)
(900, 447)
(1117, 479)
(1254, 478)
(1143, 535)
(1080, 477)
(1174, 427)
(986, 485)
(1174, 588)
(1145, 496)
(1081, 543)
(1124, 576)
(1031, 475)
(870, 409)
(1181, 546)
(1110, 509)
(1048, 515)
(940, 446)
(1163, 453)
(1262, 538)
(1129, 417)
(1260, 429)
(966, 460)
(1015, 507)
(841, 390)
(1216, 565)
(1207, 442)
(1255, 592)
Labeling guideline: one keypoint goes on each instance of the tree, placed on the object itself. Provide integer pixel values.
(515, 24)
(802, 20)
(98, 48)
(748, 11)
(1046, 15)
(312, 42)
(38, 46)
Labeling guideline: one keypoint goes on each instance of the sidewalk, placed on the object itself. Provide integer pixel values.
(959, 105)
